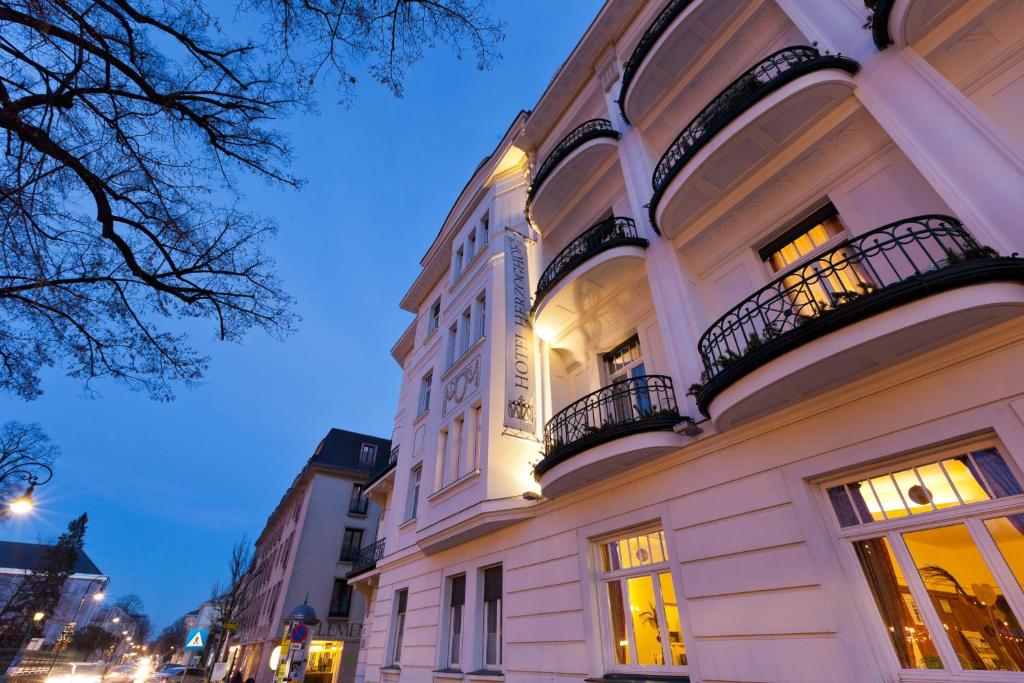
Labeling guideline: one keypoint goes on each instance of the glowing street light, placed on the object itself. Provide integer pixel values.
(24, 504)
(116, 620)
(98, 596)
(38, 616)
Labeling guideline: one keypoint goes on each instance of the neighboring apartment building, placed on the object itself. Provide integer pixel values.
(120, 623)
(305, 552)
(717, 369)
(78, 603)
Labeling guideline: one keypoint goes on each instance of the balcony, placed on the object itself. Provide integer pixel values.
(906, 22)
(675, 40)
(379, 482)
(896, 291)
(744, 126)
(637, 414)
(367, 558)
(579, 156)
(600, 253)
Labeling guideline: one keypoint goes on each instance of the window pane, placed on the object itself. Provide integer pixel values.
(677, 647)
(492, 647)
(978, 619)
(455, 647)
(914, 494)
(902, 619)
(889, 497)
(1008, 533)
(938, 485)
(617, 609)
(644, 612)
(967, 485)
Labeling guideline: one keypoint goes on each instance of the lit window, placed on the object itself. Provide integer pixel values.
(492, 617)
(424, 402)
(456, 603)
(398, 625)
(943, 599)
(642, 610)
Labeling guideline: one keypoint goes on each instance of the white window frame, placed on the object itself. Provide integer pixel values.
(412, 498)
(499, 635)
(471, 250)
(367, 448)
(453, 344)
(465, 331)
(480, 316)
(457, 262)
(397, 634)
(602, 578)
(434, 316)
(426, 383)
(971, 515)
(450, 623)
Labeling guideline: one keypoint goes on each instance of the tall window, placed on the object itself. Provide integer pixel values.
(626, 362)
(946, 587)
(453, 345)
(470, 246)
(642, 624)
(434, 319)
(480, 324)
(456, 603)
(478, 431)
(351, 542)
(398, 625)
(367, 454)
(492, 617)
(815, 285)
(424, 402)
(358, 503)
(485, 230)
(412, 502)
(464, 331)
(457, 263)
(341, 599)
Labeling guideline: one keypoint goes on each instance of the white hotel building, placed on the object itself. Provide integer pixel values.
(717, 369)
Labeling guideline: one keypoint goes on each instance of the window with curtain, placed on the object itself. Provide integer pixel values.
(938, 541)
(456, 604)
(492, 617)
(643, 631)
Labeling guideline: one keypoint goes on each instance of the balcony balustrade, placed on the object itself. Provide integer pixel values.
(630, 406)
(367, 557)
(871, 273)
(752, 86)
(613, 232)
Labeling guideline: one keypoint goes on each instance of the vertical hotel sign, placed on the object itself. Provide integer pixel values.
(520, 389)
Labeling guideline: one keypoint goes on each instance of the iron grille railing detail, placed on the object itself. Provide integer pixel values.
(613, 232)
(629, 406)
(368, 557)
(651, 36)
(586, 131)
(879, 269)
(881, 10)
(382, 466)
(766, 76)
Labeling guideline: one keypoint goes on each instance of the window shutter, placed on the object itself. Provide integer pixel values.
(458, 591)
(492, 584)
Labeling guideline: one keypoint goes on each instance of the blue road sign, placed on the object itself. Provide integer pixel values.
(196, 638)
(298, 633)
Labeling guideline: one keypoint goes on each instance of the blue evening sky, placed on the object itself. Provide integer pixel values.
(170, 486)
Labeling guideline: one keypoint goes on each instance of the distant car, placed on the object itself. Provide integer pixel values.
(178, 674)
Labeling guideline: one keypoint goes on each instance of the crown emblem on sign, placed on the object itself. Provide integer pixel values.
(520, 409)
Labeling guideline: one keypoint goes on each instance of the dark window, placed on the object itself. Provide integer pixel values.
(350, 544)
(492, 616)
(398, 625)
(367, 454)
(358, 503)
(341, 599)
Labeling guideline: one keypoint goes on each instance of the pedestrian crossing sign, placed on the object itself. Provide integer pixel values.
(196, 638)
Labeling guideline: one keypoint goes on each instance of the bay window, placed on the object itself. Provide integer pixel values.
(642, 627)
(940, 543)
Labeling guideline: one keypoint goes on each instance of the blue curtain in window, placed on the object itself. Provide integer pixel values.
(988, 466)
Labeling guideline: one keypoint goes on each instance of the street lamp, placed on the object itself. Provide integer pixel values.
(24, 503)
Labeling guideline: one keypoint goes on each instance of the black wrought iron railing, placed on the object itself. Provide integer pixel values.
(643, 47)
(880, 269)
(586, 131)
(881, 10)
(368, 557)
(616, 231)
(753, 85)
(382, 466)
(629, 406)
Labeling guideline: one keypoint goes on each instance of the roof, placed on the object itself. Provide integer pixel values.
(27, 555)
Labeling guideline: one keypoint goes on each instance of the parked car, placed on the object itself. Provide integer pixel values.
(178, 673)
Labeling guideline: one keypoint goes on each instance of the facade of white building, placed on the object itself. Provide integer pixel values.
(717, 369)
(304, 554)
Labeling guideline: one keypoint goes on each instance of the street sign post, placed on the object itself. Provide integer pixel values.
(196, 638)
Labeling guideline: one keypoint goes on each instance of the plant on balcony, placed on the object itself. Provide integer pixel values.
(972, 253)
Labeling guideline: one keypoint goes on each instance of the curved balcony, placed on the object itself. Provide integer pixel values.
(745, 124)
(638, 414)
(615, 238)
(775, 347)
(904, 22)
(569, 164)
(367, 558)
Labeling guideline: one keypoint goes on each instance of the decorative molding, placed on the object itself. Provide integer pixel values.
(461, 385)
